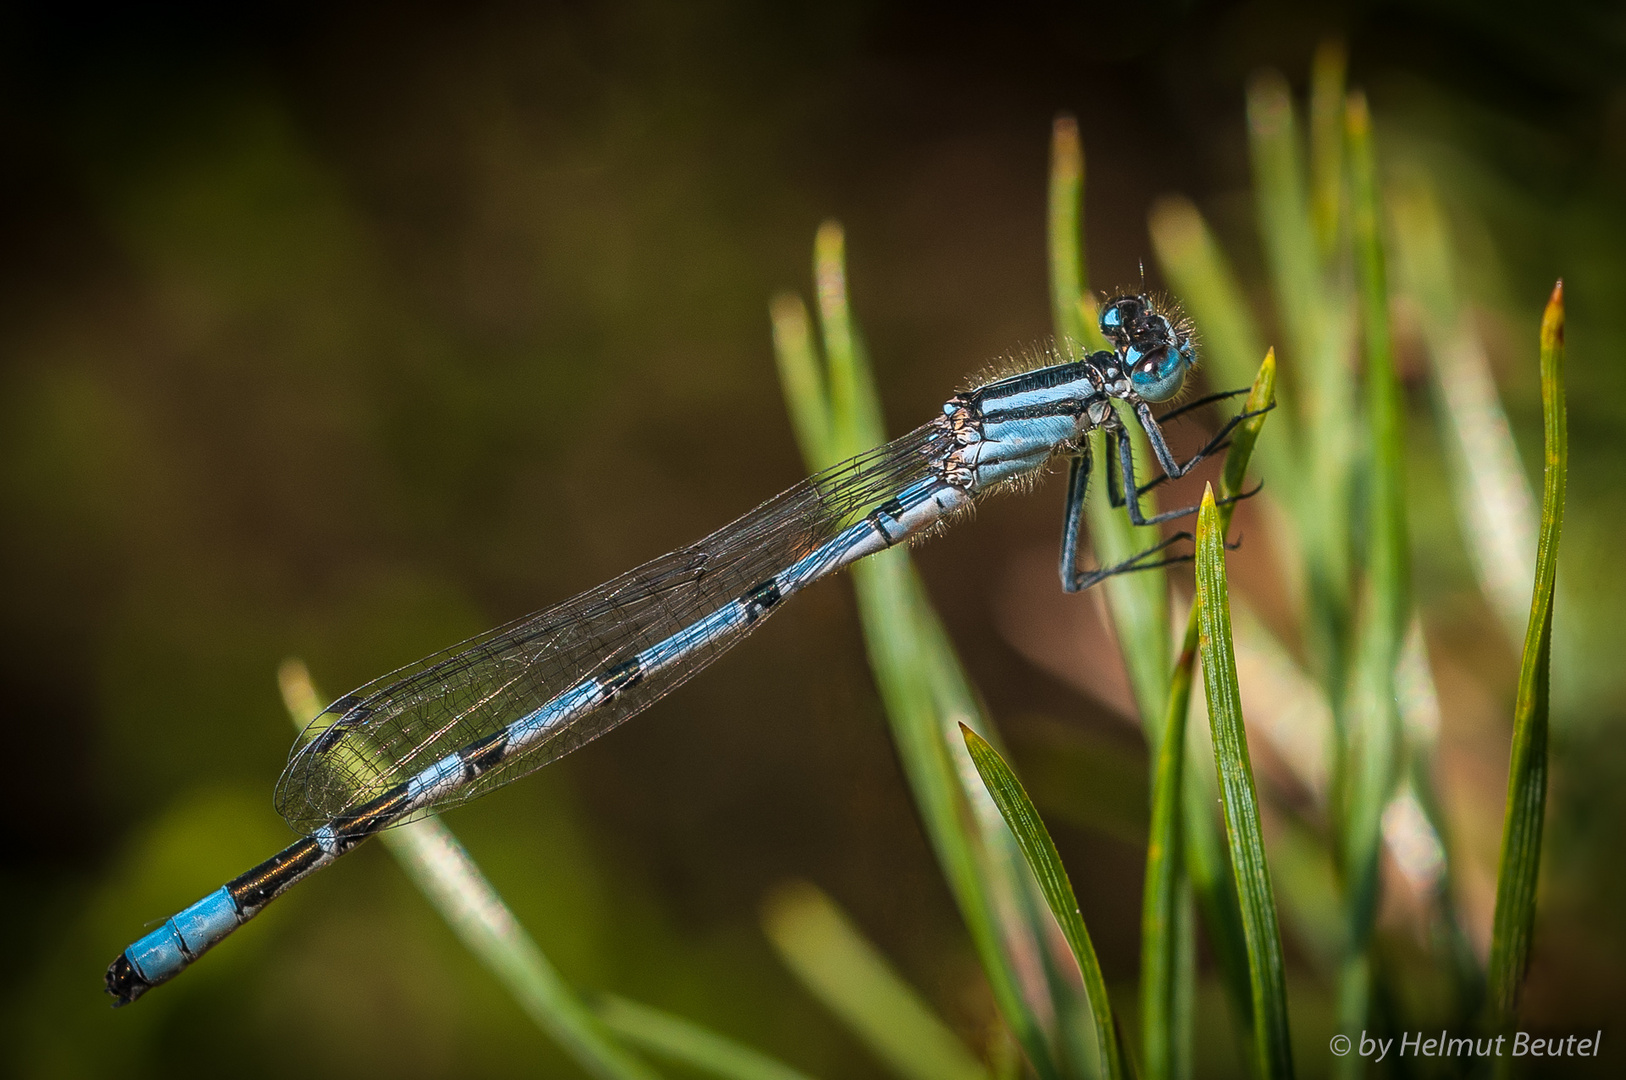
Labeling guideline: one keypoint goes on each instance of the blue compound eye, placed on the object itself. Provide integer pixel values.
(1120, 318)
(1159, 376)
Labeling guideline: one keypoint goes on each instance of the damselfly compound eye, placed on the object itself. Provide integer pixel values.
(1121, 319)
(1160, 375)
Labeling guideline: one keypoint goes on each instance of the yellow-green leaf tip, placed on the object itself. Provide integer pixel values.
(1552, 320)
(1067, 152)
(1263, 393)
(1357, 118)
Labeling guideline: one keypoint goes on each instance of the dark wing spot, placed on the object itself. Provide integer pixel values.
(618, 678)
(760, 599)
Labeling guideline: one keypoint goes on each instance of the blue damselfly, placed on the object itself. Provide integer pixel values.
(455, 725)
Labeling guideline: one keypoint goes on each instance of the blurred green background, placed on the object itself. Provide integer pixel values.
(350, 332)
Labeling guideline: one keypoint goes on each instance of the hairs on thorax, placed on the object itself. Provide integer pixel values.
(1031, 357)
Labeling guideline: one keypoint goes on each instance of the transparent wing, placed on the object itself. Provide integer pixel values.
(391, 729)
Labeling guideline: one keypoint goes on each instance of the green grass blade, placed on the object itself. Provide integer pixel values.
(922, 686)
(1516, 877)
(1208, 867)
(845, 972)
(1027, 931)
(1495, 508)
(854, 407)
(688, 1043)
(1386, 567)
(1327, 72)
(1138, 602)
(1072, 307)
(1370, 751)
(1283, 210)
(1261, 399)
(802, 376)
(1163, 1037)
(443, 871)
(1066, 258)
(1040, 851)
(1495, 505)
(1314, 313)
(1239, 800)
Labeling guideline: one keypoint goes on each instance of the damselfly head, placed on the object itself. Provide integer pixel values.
(1154, 350)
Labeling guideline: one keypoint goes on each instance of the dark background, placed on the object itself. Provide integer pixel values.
(346, 333)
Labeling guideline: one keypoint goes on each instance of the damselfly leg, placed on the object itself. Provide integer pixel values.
(1220, 441)
(1078, 482)
(1073, 578)
(1143, 561)
(1122, 480)
(1208, 399)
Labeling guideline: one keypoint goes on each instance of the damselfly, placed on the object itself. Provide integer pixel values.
(452, 727)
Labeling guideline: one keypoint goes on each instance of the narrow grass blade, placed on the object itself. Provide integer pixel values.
(1516, 877)
(1163, 1037)
(1040, 851)
(1495, 505)
(1138, 602)
(1208, 868)
(1369, 763)
(802, 377)
(1327, 386)
(442, 869)
(1327, 73)
(845, 972)
(1261, 400)
(1386, 567)
(854, 406)
(1313, 309)
(1240, 801)
(925, 690)
(688, 1043)
(1283, 210)
(1072, 308)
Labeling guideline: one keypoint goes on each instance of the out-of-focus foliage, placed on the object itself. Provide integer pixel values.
(351, 333)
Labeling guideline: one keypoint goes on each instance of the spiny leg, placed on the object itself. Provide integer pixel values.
(1200, 402)
(1126, 468)
(1115, 494)
(1078, 478)
(1078, 481)
(1218, 442)
(1165, 457)
(1072, 578)
(1126, 465)
(1138, 562)
(1083, 580)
